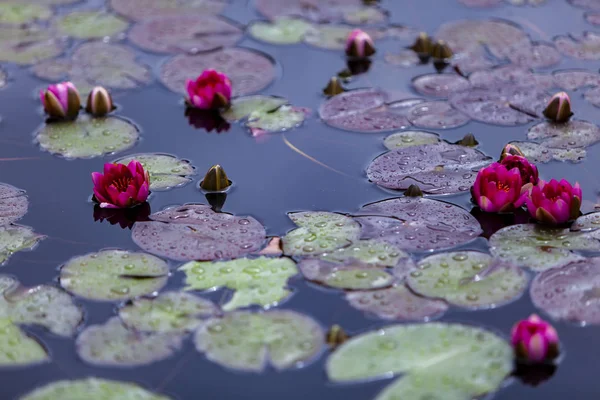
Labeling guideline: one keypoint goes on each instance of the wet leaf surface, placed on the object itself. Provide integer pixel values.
(17, 348)
(540, 153)
(282, 119)
(195, 232)
(440, 85)
(436, 115)
(91, 389)
(111, 275)
(583, 47)
(87, 137)
(166, 171)
(576, 79)
(540, 55)
(570, 135)
(21, 14)
(13, 204)
(27, 45)
(587, 4)
(251, 341)
(112, 344)
(312, 10)
(242, 107)
(142, 9)
(405, 139)
(512, 76)
(250, 71)
(15, 238)
(261, 281)
(350, 274)
(371, 252)
(468, 279)
(90, 25)
(281, 31)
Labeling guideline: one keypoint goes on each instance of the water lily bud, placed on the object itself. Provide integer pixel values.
(359, 44)
(413, 191)
(559, 108)
(441, 51)
(99, 102)
(210, 91)
(511, 149)
(334, 87)
(422, 45)
(336, 336)
(61, 101)
(554, 202)
(468, 140)
(534, 340)
(215, 180)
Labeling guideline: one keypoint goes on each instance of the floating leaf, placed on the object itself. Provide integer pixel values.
(540, 248)
(405, 139)
(510, 75)
(371, 252)
(112, 344)
(28, 45)
(195, 232)
(468, 279)
(250, 71)
(440, 85)
(441, 168)
(570, 135)
(113, 275)
(448, 361)
(540, 153)
(319, 232)
(576, 79)
(282, 119)
(280, 31)
(329, 37)
(396, 303)
(91, 389)
(175, 312)
(584, 47)
(17, 348)
(587, 223)
(185, 34)
(13, 204)
(87, 136)
(329, 11)
(350, 274)
(436, 115)
(261, 281)
(14, 238)
(166, 171)
(593, 96)
(22, 14)
(242, 107)
(90, 24)
(418, 224)
(365, 16)
(249, 341)
(480, 3)
(570, 293)
(538, 55)
(142, 9)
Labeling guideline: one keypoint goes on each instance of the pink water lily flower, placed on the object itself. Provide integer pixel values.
(554, 202)
(61, 100)
(359, 44)
(121, 186)
(528, 171)
(498, 189)
(535, 340)
(210, 91)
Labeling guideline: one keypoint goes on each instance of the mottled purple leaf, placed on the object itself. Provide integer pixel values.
(573, 79)
(142, 9)
(352, 102)
(583, 47)
(539, 55)
(511, 75)
(570, 135)
(593, 96)
(440, 85)
(13, 204)
(540, 153)
(313, 10)
(436, 115)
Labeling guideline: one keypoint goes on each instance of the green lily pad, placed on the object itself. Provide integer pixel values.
(330, 37)
(282, 119)
(319, 232)
(588, 223)
(410, 138)
(281, 31)
(351, 274)
(112, 344)
(28, 44)
(540, 153)
(17, 348)
(16, 13)
(439, 361)
(259, 281)
(242, 107)
(90, 24)
(168, 312)
(114, 275)
(87, 137)
(540, 248)
(42, 305)
(91, 389)
(372, 252)
(13, 204)
(249, 341)
(14, 238)
(166, 171)
(468, 279)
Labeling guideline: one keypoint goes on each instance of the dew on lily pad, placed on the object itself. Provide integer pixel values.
(195, 232)
(318, 11)
(587, 223)
(511, 75)
(261, 281)
(319, 232)
(112, 344)
(436, 115)
(440, 85)
(175, 312)
(87, 137)
(573, 134)
(570, 293)
(90, 25)
(468, 279)
(410, 138)
(91, 389)
(185, 34)
(282, 119)
(438, 360)
(249, 70)
(441, 168)
(418, 224)
(281, 31)
(540, 248)
(17, 349)
(15, 238)
(28, 44)
(242, 107)
(371, 252)
(13, 204)
(21, 14)
(583, 47)
(248, 341)
(142, 9)
(396, 303)
(349, 274)
(574, 79)
(166, 171)
(111, 275)
(540, 153)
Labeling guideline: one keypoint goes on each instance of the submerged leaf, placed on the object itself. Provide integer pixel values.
(91, 389)
(166, 171)
(90, 24)
(14, 238)
(17, 348)
(280, 31)
(13, 204)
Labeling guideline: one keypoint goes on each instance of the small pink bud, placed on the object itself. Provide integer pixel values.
(559, 108)
(534, 340)
(61, 101)
(99, 102)
(359, 44)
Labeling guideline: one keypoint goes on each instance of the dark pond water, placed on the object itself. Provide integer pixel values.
(271, 179)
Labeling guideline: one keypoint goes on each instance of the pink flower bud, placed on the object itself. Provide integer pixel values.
(210, 91)
(61, 101)
(529, 172)
(559, 108)
(535, 340)
(121, 186)
(554, 202)
(99, 102)
(359, 44)
(498, 189)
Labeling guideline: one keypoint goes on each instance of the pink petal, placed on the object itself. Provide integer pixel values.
(537, 348)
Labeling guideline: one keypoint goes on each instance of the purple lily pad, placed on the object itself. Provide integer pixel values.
(142, 9)
(538, 55)
(473, 60)
(250, 71)
(13, 204)
(185, 34)
(312, 10)
(397, 303)
(540, 153)
(441, 168)
(440, 85)
(570, 293)
(587, 4)
(195, 232)
(592, 17)
(480, 3)
(570, 135)
(511, 75)
(584, 47)
(436, 115)
(352, 102)
(351, 274)
(593, 96)
(576, 79)
(418, 224)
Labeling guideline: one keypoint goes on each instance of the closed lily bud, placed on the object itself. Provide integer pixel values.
(559, 108)
(441, 51)
(422, 45)
(534, 340)
(99, 102)
(511, 150)
(336, 336)
(413, 191)
(468, 141)
(359, 44)
(61, 101)
(215, 180)
(334, 87)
